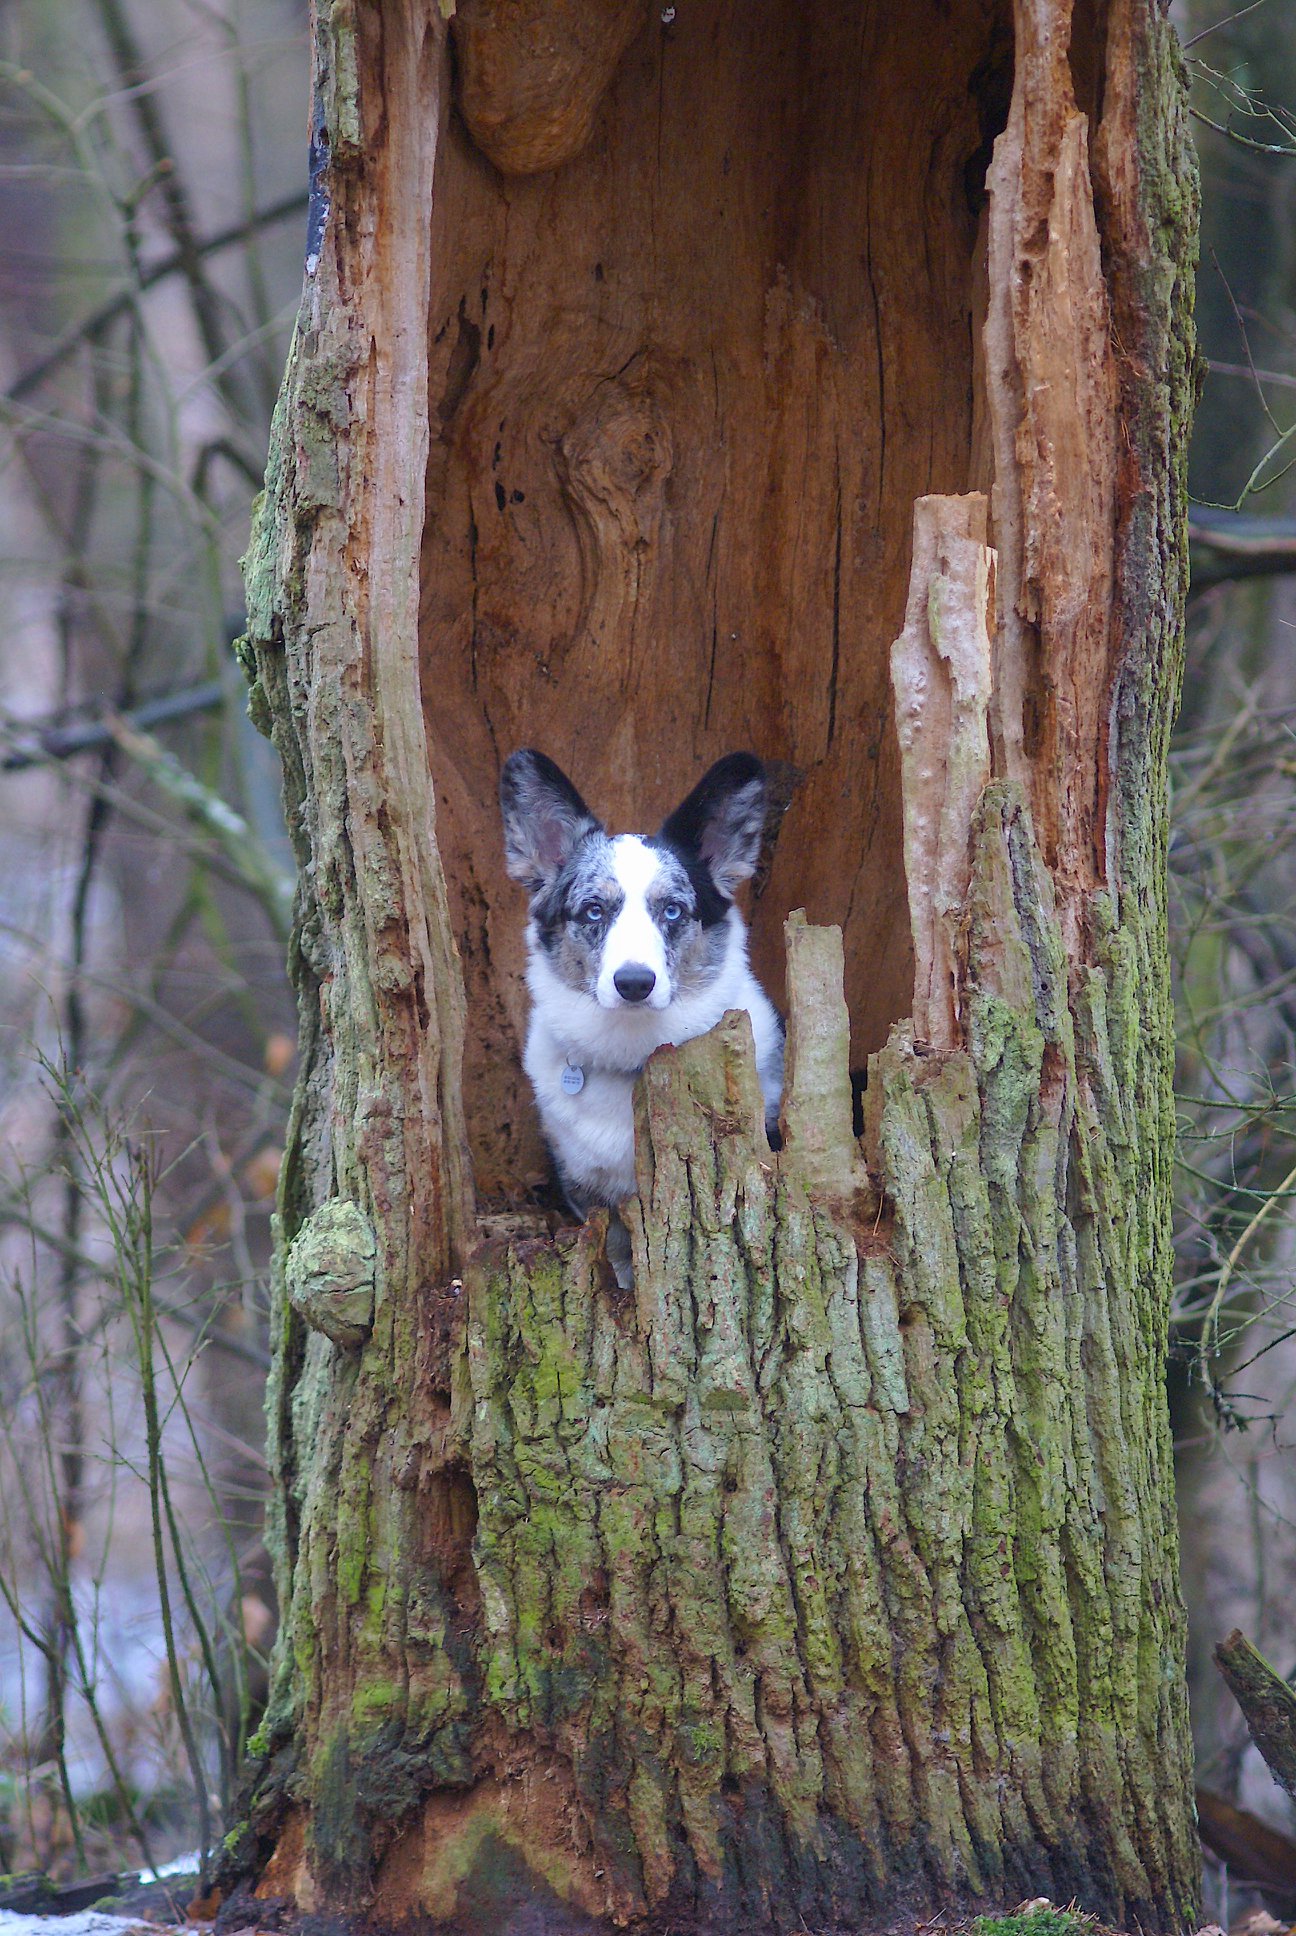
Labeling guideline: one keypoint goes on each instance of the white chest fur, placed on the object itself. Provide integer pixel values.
(591, 1130)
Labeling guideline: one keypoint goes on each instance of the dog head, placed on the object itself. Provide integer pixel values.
(632, 920)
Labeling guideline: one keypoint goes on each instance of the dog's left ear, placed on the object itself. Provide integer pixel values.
(723, 819)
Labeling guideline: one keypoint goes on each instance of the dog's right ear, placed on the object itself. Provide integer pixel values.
(544, 818)
(723, 819)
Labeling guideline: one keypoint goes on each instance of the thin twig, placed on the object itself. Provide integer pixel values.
(107, 313)
(1227, 21)
(137, 1289)
(1243, 140)
(1246, 345)
(1210, 1323)
(1279, 377)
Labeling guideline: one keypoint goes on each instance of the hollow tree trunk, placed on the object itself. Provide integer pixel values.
(667, 381)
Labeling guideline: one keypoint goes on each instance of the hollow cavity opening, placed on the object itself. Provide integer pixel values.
(685, 388)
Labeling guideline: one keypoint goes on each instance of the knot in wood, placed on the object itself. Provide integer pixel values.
(331, 1272)
(614, 462)
(532, 74)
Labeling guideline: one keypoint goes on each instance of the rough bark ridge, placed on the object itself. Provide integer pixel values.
(830, 1573)
(829, 1565)
(331, 650)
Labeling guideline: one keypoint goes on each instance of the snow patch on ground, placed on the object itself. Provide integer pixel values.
(87, 1922)
(178, 1865)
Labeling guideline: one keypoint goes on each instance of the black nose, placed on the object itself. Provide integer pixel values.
(633, 983)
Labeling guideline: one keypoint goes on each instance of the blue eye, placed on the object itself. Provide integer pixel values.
(672, 912)
(591, 914)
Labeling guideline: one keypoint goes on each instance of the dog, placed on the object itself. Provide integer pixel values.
(633, 941)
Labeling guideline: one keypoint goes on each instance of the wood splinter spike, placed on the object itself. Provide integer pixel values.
(940, 672)
(818, 1139)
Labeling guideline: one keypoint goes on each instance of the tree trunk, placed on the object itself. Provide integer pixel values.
(667, 381)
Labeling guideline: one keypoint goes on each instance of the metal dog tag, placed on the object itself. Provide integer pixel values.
(572, 1079)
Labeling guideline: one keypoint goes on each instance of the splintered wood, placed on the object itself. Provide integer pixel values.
(940, 669)
(676, 443)
(1052, 394)
(818, 1140)
(827, 1574)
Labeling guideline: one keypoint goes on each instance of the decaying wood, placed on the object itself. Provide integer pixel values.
(817, 1114)
(1053, 406)
(1268, 1704)
(532, 74)
(940, 668)
(335, 561)
(377, 1126)
(828, 1574)
(716, 1514)
(685, 390)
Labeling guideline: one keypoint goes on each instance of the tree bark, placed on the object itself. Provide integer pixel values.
(829, 1574)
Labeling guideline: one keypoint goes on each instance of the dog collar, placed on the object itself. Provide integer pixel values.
(571, 1079)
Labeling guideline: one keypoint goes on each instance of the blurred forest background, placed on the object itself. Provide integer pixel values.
(152, 219)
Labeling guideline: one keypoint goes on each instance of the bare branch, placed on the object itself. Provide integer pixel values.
(1267, 1703)
(108, 312)
(1227, 21)
(40, 742)
(1227, 545)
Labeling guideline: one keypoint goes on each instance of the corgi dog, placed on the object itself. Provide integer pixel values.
(633, 941)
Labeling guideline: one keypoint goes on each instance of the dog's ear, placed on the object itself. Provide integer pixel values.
(544, 817)
(723, 819)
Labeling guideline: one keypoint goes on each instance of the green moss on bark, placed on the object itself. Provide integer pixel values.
(883, 1543)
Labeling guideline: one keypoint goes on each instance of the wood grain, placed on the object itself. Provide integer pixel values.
(684, 392)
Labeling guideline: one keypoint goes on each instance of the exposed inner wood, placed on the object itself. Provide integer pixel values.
(818, 1142)
(940, 666)
(684, 392)
(1053, 404)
